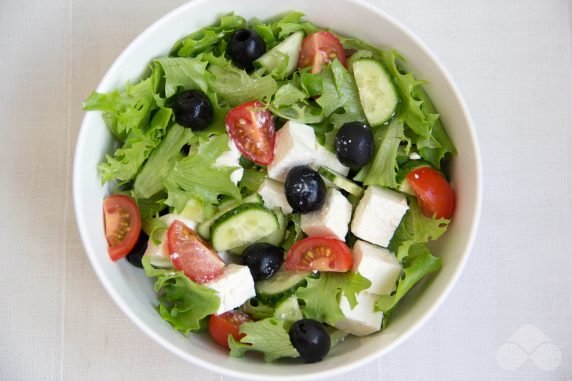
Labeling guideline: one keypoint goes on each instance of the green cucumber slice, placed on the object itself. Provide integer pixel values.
(242, 225)
(289, 48)
(340, 181)
(280, 286)
(403, 185)
(275, 238)
(204, 228)
(377, 92)
(288, 309)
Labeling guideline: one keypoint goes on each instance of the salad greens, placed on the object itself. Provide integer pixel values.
(162, 165)
(182, 302)
(321, 296)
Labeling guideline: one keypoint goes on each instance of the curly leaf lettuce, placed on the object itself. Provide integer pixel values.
(274, 32)
(321, 296)
(235, 86)
(208, 38)
(125, 110)
(187, 73)
(196, 177)
(128, 159)
(410, 244)
(268, 336)
(182, 302)
(150, 180)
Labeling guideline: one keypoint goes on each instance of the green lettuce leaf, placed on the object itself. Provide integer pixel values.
(420, 263)
(275, 31)
(415, 228)
(294, 99)
(322, 295)
(235, 86)
(187, 73)
(196, 177)
(182, 302)
(125, 110)
(128, 159)
(382, 170)
(252, 179)
(268, 336)
(410, 244)
(150, 180)
(257, 310)
(437, 145)
(208, 38)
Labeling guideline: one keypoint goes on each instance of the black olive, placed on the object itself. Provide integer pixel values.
(354, 144)
(310, 339)
(136, 254)
(192, 109)
(244, 47)
(305, 189)
(263, 259)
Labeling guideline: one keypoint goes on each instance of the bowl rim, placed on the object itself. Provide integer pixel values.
(81, 220)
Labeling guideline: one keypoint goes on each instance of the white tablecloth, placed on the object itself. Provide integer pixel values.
(512, 60)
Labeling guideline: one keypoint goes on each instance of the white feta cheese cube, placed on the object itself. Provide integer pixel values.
(231, 158)
(234, 287)
(295, 145)
(272, 192)
(332, 219)
(160, 253)
(363, 319)
(378, 214)
(325, 158)
(378, 265)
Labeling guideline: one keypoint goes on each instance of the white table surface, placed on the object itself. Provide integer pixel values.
(512, 60)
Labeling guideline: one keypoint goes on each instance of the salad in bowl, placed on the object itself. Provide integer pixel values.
(280, 184)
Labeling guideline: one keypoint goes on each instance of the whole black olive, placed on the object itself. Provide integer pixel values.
(310, 339)
(192, 109)
(263, 260)
(244, 47)
(305, 189)
(354, 144)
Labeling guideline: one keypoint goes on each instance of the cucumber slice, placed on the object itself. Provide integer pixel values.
(377, 93)
(242, 225)
(289, 48)
(340, 181)
(403, 185)
(280, 286)
(288, 309)
(275, 238)
(204, 228)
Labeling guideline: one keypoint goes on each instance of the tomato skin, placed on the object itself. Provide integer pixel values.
(122, 224)
(191, 255)
(319, 253)
(221, 326)
(435, 195)
(251, 127)
(319, 49)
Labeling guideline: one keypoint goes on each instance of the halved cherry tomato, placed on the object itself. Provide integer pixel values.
(221, 326)
(191, 255)
(251, 127)
(319, 49)
(435, 194)
(319, 253)
(122, 224)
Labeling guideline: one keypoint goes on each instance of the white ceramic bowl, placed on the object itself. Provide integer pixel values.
(133, 292)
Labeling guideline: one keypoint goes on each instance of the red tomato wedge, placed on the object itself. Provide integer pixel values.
(319, 49)
(251, 127)
(191, 255)
(319, 253)
(122, 224)
(436, 196)
(221, 326)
